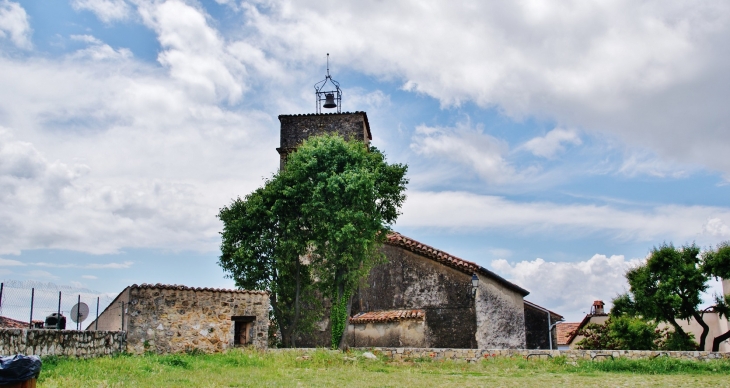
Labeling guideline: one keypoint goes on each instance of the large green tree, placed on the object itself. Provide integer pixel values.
(668, 287)
(261, 250)
(316, 224)
(716, 263)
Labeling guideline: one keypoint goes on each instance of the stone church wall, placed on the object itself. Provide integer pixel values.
(409, 281)
(500, 316)
(536, 329)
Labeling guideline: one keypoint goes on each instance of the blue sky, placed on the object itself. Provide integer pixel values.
(554, 143)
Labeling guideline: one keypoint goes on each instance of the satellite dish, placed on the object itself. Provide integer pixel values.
(79, 312)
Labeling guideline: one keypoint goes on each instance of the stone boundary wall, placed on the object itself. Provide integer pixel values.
(70, 343)
(473, 355)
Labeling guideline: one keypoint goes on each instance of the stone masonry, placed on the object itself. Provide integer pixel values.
(68, 343)
(475, 355)
(171, 318)
(297, 128)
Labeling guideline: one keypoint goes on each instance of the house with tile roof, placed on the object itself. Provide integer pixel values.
(423, 296)
(10, 323)
(564, 334)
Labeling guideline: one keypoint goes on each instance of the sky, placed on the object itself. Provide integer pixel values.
(554, 143)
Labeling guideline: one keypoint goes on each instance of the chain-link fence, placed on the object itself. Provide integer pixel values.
(29, 303)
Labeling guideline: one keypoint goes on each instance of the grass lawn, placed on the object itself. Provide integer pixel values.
(241, 368)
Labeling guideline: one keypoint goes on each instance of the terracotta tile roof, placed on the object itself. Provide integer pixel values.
(582, 323)
(553, 315)
(159, 286)
(388, 316)
(13, 323)
(467, 267)
(365, 116)
(565, 330)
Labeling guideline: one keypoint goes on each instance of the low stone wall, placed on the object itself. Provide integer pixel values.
(69, 343)
(472, 355)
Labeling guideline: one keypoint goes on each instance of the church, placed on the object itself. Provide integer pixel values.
(422, 296)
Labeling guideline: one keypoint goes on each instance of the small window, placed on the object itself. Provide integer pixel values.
(242, 330)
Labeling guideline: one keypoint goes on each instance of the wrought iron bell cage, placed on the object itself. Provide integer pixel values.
(328, 92)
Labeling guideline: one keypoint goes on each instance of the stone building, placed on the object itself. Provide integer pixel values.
(422, 296)
(537, 321)
(297, 128)
(172, 318)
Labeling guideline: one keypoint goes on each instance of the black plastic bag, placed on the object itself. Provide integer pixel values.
(19, 368)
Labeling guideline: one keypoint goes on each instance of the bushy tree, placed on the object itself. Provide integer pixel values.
(668, 288)
(622, 332)
(316, 224)
(261, 249)
(716, 263)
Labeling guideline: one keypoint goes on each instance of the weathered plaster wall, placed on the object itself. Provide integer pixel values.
(69, 343)
(169, 320)
(500, 316)
(408, 333)
(408, 281)
(536, 329)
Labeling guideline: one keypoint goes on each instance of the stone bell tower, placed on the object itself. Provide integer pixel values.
(297, 128)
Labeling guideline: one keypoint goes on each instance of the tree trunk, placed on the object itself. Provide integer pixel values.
(295, 320)
(676, 326)
(718, 340)
(705, 330)
(343, 340)
(285, 333)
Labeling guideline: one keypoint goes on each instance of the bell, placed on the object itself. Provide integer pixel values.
(329, 101)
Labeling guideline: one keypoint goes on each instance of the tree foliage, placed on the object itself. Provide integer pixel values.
(668, 288)
(624, 332)
(315, 225)
(621, 332)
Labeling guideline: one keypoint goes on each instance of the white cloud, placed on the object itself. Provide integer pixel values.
(106, 10)
(100, 155)
(53, 205)
(569, 288)
(126, 264)
(14, 24)
(552, 143)
(469, 146)
(194, 52)
(10, 263)
(638, 162)
(90, 277)
(462, 210)
(99, 50)
(40, 275)
(362, 99)
(716, 227)
(653, 73)
(86, 38)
